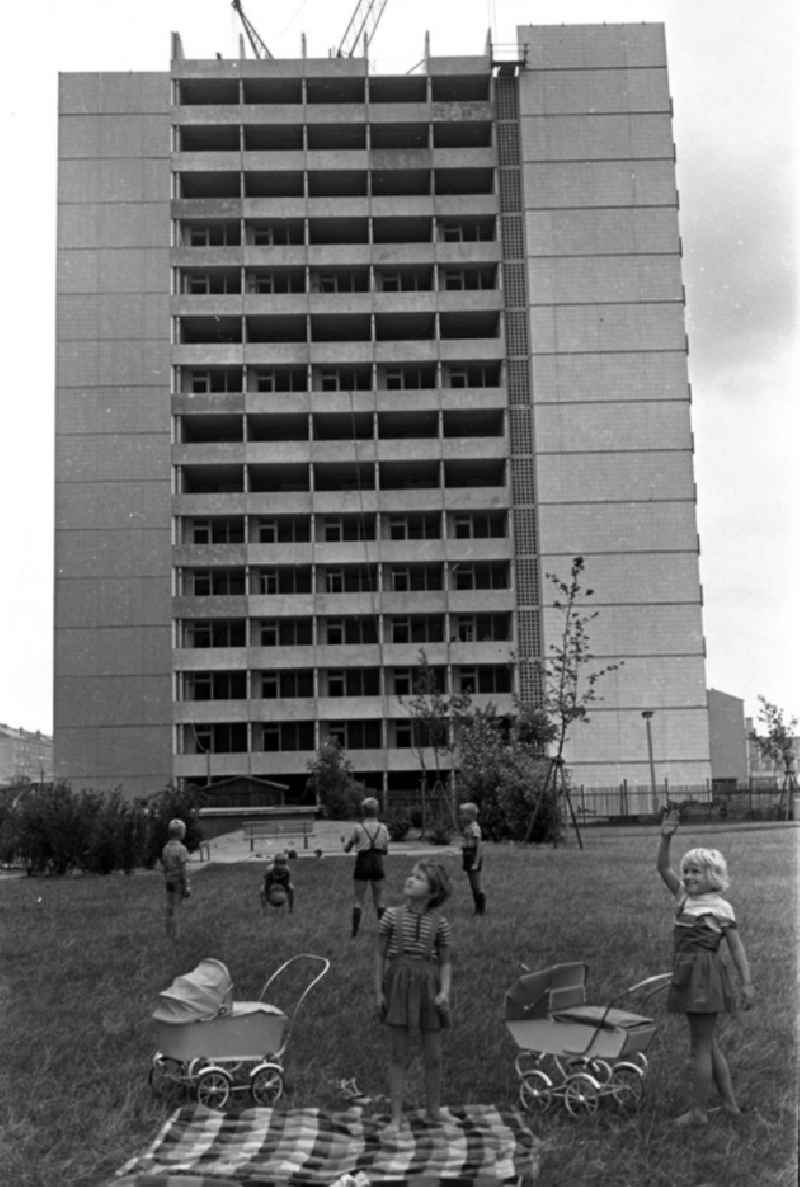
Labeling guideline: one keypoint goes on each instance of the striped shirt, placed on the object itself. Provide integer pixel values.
(403, 931)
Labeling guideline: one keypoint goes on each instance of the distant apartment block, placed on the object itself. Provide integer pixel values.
(346, 363)
(25, 756)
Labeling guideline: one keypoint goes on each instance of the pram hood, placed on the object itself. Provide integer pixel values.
(199, 996)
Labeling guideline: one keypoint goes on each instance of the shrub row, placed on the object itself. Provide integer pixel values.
(53, 829)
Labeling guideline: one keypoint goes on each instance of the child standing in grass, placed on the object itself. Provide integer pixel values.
(370, 839)
(472, 853)
(174, 860)
(277, 887)
(412, 981)
(700, 986)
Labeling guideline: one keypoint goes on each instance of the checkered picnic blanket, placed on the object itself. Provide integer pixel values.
(477, 1146)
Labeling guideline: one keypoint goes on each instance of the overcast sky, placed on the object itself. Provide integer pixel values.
(730, 67)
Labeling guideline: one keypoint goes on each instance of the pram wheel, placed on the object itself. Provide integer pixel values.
(535, 1092)
(627, 1087)
(213, 1088)
(581, 1095)
(266, 1084)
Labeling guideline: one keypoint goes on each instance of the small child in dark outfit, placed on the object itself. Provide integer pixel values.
(278, 887)
(174, 859)
(472, 853)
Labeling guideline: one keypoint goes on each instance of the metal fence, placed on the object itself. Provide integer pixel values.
(758, 799)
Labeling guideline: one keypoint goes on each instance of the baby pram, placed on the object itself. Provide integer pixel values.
(575, 1051)
(214, 1046)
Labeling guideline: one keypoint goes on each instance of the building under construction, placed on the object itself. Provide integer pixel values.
(346, 363)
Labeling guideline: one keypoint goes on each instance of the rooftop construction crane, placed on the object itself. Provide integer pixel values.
(363, 22)
(258, 46)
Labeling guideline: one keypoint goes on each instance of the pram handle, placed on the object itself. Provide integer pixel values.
(326, 964)
(658, 981)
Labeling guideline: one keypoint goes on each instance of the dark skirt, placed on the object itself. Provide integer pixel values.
(700, 984)
(410, 985)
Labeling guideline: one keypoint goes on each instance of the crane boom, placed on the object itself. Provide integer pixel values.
(364, 21)
(257, 44)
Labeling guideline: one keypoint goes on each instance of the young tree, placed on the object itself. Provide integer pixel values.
(331, 782)
(434, 718)
(777, 746)
(570, 690)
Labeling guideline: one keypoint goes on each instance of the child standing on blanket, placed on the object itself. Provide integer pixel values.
(277, 887)
(472, 853)
(174, 860)
(370, 839)
(700, 986)
(412, 982)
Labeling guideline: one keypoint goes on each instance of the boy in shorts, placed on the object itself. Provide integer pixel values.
(174, 859)
(472, 853)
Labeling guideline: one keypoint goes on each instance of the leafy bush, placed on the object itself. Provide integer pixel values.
(52, 829)
(398, 827)
(440, 834)
(331, 782)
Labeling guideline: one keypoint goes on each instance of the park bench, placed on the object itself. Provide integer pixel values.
(260, 830)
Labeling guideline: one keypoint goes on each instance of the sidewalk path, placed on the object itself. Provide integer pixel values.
(235, 846)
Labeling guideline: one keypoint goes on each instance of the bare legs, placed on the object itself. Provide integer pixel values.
(707, 1065)
(359, 894)
(398, 1065)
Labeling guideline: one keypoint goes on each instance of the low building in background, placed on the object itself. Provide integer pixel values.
(25, 756)
(727, 734)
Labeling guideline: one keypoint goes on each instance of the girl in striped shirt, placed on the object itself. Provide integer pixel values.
(412, 981)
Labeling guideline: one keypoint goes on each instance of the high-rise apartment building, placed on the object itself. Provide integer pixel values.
(346, 364)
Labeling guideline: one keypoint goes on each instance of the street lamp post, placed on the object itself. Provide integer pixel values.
(647, 714)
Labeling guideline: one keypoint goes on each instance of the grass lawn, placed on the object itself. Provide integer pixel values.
(83, 960)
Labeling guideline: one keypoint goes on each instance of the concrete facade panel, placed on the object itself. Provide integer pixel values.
(638, 630)
(114, 135)
(657, 682)
(635, 578)
(115, 270)
(563, 329)
(113, 602)
(106, 94)
(618, 737)
(600, 478)
(589, 137)
(127, 317)
(112, 364)
(632, 375)
(570, 47)
(118, 180)
(137, 759)
(128, 699)
(112, 505)
(651, 425)
(565, 92)
(110, 651)
(97, 225)
(601, 232)
(599, 183)
(121, 459)
(618, 527)
(112, 410)
(586, 279)
(85, 553)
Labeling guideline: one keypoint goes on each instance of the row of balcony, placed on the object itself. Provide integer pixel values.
(307, 85)
(214, 642)
(460, 142)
